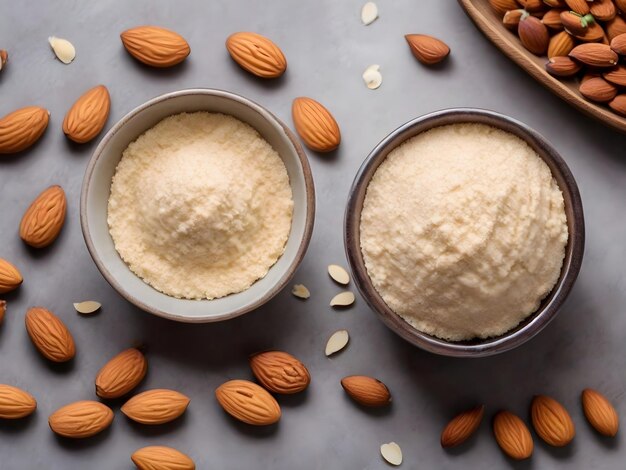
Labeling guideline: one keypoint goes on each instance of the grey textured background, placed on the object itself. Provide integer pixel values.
(327, 49)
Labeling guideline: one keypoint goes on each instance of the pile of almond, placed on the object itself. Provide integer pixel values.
(581, 38)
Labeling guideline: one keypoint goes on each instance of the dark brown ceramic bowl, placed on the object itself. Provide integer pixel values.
(573, 252)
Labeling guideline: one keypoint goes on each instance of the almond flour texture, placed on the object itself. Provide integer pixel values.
(463, 231)
(200, 206)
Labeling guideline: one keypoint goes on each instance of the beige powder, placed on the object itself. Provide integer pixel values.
(200, 206)
(463, 231)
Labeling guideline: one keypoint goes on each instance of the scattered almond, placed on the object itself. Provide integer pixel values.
(594, 55)
(562, 67)
(4, 57)
(247, 402)
(560, 44)
(300, 291)
(3, 309)
(551, 421)
(598, 89)
(256, 54)
(87, 307)
(427, 49)
(280, 372)
(600, 413)
(372, 77)
(338, 274)
(343, 299)
(81, 419)
(619, 104)
(10, 277)
(43, 220)
(161, 458)
(366, 391)
(49, 335)
(369, 13)
(337, 342)
(392, 453)
(155, 46)
(315, 125)
(15, 403)
(121, 374)
(618, 44)
(502, 6)
(87, 116)
(22, 128)
(158, 406)
(533, 34)
(462, 427)
(512, 435)
(63, 49)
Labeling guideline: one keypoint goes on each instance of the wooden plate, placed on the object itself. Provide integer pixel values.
(491, 25)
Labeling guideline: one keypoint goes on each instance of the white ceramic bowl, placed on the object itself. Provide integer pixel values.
(97, 185)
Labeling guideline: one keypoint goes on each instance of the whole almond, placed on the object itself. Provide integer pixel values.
(562, 67)
(315, 125)
(600, 413)
(502, 6)
(617, 76)
(551, 421)
(366, 391)
(533, 34)
(603, 10)
(533, 6)
(121, 374)
(594, 55)
(615, 27)
(512, 435)
(560, 44)
(156, 406)
(598, 89)
(247, 402)
(555, 3)
(3, 309)
(43, 220)
(155, 46)
(280, 372)
(15, 403)
(49, 335)
(256, 54)
(87, 116)
(81, 419)
(22, 128)
(594, 33)
(427, 49)
(579, 6)
(618, 44)
(619, 104)
(10, 277)
(512, 18)
(161, 458)
(462, 427)
(552, 19)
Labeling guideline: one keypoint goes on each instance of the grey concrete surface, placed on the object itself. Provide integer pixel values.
(327, 49)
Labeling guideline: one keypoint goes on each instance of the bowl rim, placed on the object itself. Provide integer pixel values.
(574, 249)
(309, 219)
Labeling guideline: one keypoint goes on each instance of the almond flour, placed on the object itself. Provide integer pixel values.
(200, 206)
(463, 231)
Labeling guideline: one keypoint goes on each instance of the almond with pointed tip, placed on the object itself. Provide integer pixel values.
(462, 427)
(502, 6)
(598, 89)
(256, 54)
(427, 49)
(158, 406)
(366, 391)
(337, 341)
(10, 277)
(594, 33)
(575, 23)
(343, 299)
(15, 403)
(155, 46)
(280, 372)
(247, 402)
(600, 412)
(617, 76)
(562, 67)
(43, 220)
(618, 44)
(603, 10)
(579, 6)
(121, 374)
(560, 44)
(619, 104)
(315, 125)
(512, 435)
(22, 128)
(551, 421)
(81, 419)
(161, 458)
(88, 115)
(594, 55)
(615, 27)
(338, 274)
(533, 6)
(512, 18)
(552, 19)
(49, 335)
(533, 35)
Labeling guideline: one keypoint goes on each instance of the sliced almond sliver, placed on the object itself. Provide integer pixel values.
(392, 453)
(337, 342)
(87, 307)
(372, 77)
(369, 13)
(300, 291)
(343, 299)
(63, 49)
(338, 274)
